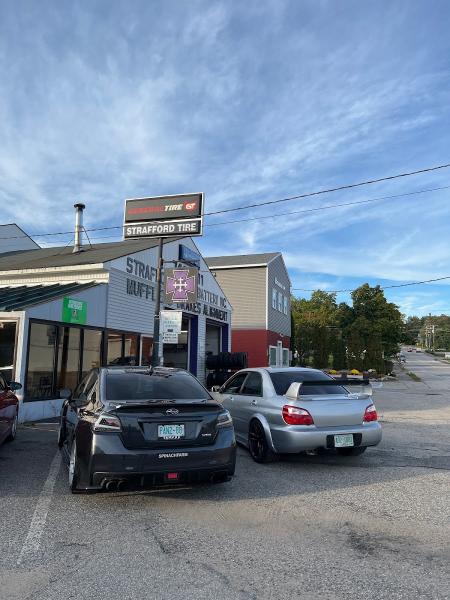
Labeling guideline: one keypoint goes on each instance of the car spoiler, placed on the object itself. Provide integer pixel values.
(367, 386)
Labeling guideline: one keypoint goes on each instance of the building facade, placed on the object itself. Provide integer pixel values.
(63, 313)
(259, 289)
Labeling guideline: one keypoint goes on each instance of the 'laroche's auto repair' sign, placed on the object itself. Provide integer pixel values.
(164, 216)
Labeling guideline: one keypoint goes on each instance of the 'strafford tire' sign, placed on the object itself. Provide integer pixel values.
(164, 216)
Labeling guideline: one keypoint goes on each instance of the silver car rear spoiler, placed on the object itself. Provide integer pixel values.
(367, 386)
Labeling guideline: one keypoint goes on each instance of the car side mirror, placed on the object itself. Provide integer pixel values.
(80, 401)
(216, 388)
(65, 393)
(14, 386)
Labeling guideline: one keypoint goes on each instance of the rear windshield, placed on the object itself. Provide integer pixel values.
(282, 380)
(156, 386)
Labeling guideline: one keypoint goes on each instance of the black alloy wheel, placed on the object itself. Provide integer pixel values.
(258, 445)
(351, 451)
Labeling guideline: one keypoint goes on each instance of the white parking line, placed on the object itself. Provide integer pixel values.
(33, 539)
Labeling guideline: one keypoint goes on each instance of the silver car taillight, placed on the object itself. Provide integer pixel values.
(224, 419)
(107, 423)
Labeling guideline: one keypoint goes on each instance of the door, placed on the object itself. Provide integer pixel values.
(250, 400)
(232, 400)
(8, 408)
(4, 425)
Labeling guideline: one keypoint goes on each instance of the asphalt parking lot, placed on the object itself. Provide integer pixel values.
(374, 526)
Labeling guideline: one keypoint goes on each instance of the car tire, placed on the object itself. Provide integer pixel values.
(12, 436)
(258, 445)
(73, 469)
(351, 451)
(61, 433)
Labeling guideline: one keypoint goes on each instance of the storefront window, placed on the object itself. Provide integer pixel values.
(131, 354)
(114, 348)
(146, 350)
(123, 348)
(7, 348)
(68, 357)
(92, 350)
(41, 361)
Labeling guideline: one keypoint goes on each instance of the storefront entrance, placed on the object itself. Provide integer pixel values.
(213, 339)
(7, 348)
(177, 355)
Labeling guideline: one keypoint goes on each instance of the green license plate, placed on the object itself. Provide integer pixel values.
(170, 432)
(342, 441)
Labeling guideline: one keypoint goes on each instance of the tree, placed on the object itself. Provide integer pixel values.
(381, 317)
(360, 336)
(313, 320)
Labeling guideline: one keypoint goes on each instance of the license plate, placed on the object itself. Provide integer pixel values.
(170, 432)
(341, 441)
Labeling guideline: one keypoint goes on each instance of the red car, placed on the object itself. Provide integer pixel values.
(9, 409)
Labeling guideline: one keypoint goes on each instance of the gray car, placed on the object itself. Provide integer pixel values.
(291, 410)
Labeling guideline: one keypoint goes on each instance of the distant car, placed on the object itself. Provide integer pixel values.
(292, 410)
(418, 349)
(142, 427)
(9, 409)
(409, 350)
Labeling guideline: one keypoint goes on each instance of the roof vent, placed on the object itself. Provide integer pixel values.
(79, 207)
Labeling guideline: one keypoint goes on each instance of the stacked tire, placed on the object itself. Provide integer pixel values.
(222, 366)
(227, 360)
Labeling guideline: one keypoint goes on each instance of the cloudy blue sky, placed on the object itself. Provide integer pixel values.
(248, 102)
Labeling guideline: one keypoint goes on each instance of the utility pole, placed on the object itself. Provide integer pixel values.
(157, 320)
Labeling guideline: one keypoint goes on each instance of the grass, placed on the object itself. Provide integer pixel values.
(413, 376)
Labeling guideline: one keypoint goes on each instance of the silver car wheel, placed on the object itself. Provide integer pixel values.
(12, 435)
(72, 465)
(14, 426)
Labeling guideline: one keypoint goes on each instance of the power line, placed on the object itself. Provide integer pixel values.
(307, 210)
(384, 287)
(300, 196)
(329, 190)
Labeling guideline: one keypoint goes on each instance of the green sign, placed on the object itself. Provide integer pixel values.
(74, 311)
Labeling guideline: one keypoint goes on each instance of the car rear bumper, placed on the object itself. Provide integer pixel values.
(110, 460)
(292, 439)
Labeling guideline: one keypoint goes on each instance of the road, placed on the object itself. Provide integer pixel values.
(375, 526)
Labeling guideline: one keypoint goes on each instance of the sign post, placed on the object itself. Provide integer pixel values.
(164, 217)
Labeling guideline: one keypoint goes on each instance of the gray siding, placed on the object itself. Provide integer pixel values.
(277, 320)
(127, 312)
(245, 288)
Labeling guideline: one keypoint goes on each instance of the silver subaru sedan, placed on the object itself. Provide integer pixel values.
(292, 409)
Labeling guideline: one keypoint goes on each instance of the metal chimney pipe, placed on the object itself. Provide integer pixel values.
(79, 207)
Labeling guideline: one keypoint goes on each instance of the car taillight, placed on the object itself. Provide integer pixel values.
(107, 423)
(224, 419)
(293, 415)
(370, 414)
